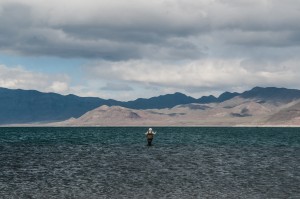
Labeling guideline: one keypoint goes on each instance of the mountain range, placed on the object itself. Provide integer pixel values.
(269, 105)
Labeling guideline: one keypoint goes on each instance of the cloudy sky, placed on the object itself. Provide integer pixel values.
(140, 48)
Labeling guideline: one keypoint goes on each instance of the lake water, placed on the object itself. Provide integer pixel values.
(182, 163)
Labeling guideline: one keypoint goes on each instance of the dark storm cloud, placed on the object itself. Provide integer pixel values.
(156, 30)
(23, 32)
(13, 19)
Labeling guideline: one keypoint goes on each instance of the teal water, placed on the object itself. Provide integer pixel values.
(182, 163)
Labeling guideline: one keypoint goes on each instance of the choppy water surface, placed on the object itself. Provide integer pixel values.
(182, 163)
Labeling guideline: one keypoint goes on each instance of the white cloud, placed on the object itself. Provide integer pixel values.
(19, 78)
(59, 87)
(113, 86)
(205, 74)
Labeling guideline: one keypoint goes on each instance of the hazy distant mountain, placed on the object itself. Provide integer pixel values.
(171, 100)
(272, 94)
(27, 106)
(226, 96)
(163, 101)
(207, 99)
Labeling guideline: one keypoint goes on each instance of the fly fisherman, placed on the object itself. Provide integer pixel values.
(150, 134)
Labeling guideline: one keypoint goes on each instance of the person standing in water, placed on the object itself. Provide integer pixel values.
(150, 134)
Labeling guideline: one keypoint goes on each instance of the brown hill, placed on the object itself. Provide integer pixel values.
(287, 115)
(233, 112)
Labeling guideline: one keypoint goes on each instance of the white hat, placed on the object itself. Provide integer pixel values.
(150, 129)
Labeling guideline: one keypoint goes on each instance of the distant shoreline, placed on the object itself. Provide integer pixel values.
(156, 126)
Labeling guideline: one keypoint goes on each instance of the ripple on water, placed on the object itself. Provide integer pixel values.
(116, 163)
